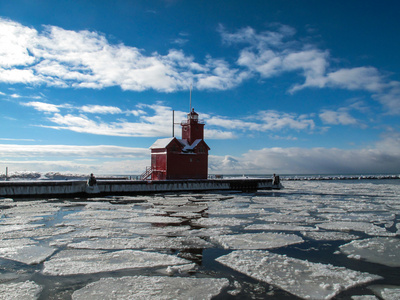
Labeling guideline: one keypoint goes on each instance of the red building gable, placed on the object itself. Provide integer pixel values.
(185, 158)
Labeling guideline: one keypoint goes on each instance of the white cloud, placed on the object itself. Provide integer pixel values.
(13, 150)
(341, 117)
(100, 109)
(272, 53)
(308, 161)
(156, 121)
(273, 120)
(362, 78)
(268, 120)
(84, 59)
(41, 106)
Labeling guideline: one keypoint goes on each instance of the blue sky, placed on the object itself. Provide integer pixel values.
(283, 86)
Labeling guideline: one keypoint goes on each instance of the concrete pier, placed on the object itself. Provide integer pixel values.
(79, 188)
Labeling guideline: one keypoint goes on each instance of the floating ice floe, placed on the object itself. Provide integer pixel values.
(20, 290)
(279, 227)
(193, 208)
(70, 262)
(155, 242)
(24, 250)
(209, 232)
(38, 233)
(368, 228)
(28, 254)
(8, 228)
(384, 251)
(304, 279)
(329, 236)
(102, 214)
(256, 240)
(287, 218)
(386, 292)
(157, 220)
(210, 222)
(162, 230)
(364, 297)
(144, 287)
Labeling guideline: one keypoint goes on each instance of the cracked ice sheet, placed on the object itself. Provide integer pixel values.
(256, 240)
(155, 242)
(386, 292)
(381, 218)
(9, 228)
(28, 254)
(304, 279)
(71, 262)
(220, 222)
(21, 290)
(38, 233)
(384, 251)
(279, 227)
(330, 236)
(302, 218)
(368, 228)
(102, 214)
(144, 287)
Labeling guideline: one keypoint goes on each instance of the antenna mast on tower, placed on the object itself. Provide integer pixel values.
(190, 98)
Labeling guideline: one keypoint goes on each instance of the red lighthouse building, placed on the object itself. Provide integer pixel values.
(185, 158)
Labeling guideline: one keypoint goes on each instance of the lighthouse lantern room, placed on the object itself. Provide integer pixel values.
(185, 158)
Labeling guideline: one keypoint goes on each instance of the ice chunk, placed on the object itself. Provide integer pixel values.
(24, 250)
(8, 228)
(368, 228)
(157, 220)
(386, 292)
(330, 236)
(211, 222)
(21, 290)
(256, 240)
(279, 227)
(304, 279)
(384, 251)
(37, 232)
(193, 208)
(157, 287)
(155, 242)
(364, 297)
(288, 218)
(179, 269)
(70, 262)
(102, 214)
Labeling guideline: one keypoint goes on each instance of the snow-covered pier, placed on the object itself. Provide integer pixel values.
(68, 188)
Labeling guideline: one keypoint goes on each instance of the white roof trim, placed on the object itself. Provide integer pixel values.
(162, 143)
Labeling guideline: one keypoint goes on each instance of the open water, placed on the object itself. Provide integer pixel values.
(334, 239)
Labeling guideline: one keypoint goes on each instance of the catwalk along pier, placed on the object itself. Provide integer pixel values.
(80, 188)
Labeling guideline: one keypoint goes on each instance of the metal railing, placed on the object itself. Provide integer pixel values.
(146, 173)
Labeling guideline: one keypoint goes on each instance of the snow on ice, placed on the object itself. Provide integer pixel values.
(29, 254)
(21, 290)
(304, 279)
(386, 292)
(143, 287)
(384, 251)
(365, 227)
(154, 242)
(329, 236)
(70, 262)
(256, 240)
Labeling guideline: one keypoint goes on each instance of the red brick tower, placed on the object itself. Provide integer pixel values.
(192, 129)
